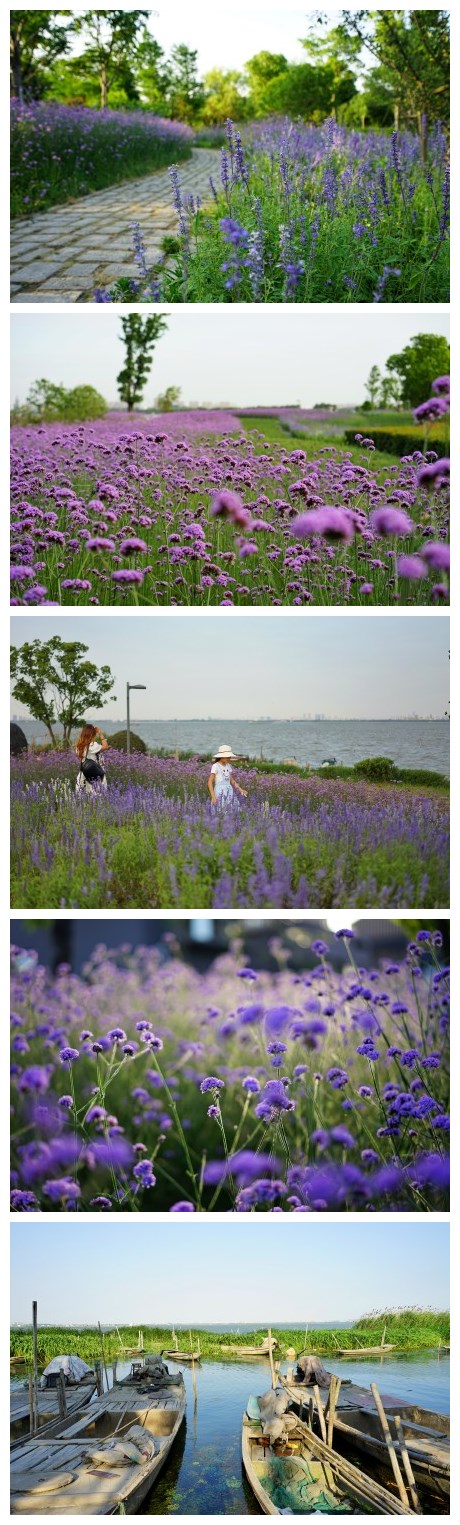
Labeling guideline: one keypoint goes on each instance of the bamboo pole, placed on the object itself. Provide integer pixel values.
(319, 1405)
(61, 1395)
(31, 1403)
(399, 1480)
(333, 1398)
(103, 1356)
(270, 1354)
(407, 1465)
(348, 1472)
(35, 1360)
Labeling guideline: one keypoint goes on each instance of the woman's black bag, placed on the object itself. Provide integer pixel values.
(91, 770)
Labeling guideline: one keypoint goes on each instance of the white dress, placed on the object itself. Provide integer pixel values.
(84, 785)
(225, 794)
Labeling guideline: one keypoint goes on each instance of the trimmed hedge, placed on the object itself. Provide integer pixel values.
(119, 739)
(399, 441)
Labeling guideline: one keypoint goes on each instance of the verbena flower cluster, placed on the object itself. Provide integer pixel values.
(143, 1083)
(186, 509)
(154, 840)
(314, 214)
(58, 151)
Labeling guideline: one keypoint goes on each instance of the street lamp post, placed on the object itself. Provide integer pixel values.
(129, 686)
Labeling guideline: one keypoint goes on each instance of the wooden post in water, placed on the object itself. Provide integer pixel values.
(270, 1354)
(114, 1372)
(61, 1395)
(333, 1400)
(399, 1480)
(98, 1375)
(103, 1356)
(322, 1421)
(35, 1358)
(407, 1465)
(31, 1403)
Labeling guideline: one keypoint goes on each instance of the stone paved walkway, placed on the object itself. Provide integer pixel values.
(63, 254)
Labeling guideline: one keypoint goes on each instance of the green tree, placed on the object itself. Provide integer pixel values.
(47, 401)
(151, 73)
(37, 38)
(390, 392)
(112, 38)
(139, 338)
(373, 384)
(57, 683)
(168, 400)
(413, 47)
(417, 366)
(302, 90)
(223, 97)
(339, 50)
(185, 93)
(260, 71)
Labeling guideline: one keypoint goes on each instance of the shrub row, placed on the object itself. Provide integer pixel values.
(403, 441)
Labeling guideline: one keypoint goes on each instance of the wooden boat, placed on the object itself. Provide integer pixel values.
(182, 1357)
(73, 1472)
(306, 1476)
(370, 1350)
(357, 1430)
(50, 1420)
(252, 1351)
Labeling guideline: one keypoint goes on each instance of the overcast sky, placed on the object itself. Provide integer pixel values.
(217, 356)
(381, 1265)
(195, 665)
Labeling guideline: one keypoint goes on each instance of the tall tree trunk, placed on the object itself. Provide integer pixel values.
(51, 734)
(16, 71)
(396, 116)
(103, 85)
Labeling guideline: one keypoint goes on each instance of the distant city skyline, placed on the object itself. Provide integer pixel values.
(278, 359)
(358, 665)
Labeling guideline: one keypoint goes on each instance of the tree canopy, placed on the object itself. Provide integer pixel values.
(139, 338)
(418, 365)
(57, 683)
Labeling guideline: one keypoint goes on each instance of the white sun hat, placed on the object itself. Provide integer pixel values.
(223, 751)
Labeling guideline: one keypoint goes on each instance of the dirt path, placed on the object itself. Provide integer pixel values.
(63, 254)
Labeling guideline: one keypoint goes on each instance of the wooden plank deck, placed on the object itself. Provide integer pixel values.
(56, 1476)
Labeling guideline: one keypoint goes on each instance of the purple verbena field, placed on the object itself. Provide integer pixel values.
(188, 509)
(155, 841)
(59, 152)
(144, 1084)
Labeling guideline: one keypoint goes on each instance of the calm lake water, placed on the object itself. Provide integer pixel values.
(204, 1474)
(410, 743)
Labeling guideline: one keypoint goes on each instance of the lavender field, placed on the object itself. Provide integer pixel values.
(190, 509)
(155, 841)
(304, 213)
(279, 1092)
(59, 152)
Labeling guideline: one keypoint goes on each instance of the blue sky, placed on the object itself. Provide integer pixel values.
(296, 356)
(223, 1272)
(244, 667)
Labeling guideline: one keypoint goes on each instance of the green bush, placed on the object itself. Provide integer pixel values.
(378, 769)
(119, 740)
(403, 441)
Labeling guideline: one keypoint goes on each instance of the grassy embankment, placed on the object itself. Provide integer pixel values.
(408, 1330)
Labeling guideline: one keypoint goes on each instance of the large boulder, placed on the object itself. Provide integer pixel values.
(18, 741)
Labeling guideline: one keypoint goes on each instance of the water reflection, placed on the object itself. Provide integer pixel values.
(204, 1473)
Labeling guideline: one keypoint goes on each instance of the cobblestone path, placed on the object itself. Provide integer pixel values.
(63, 254)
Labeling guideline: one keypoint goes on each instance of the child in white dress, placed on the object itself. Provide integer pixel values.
(222, 783)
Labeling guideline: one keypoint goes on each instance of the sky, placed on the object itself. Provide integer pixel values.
(137, 1271)
(262, 357)
(226, 40)
(195, 665)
